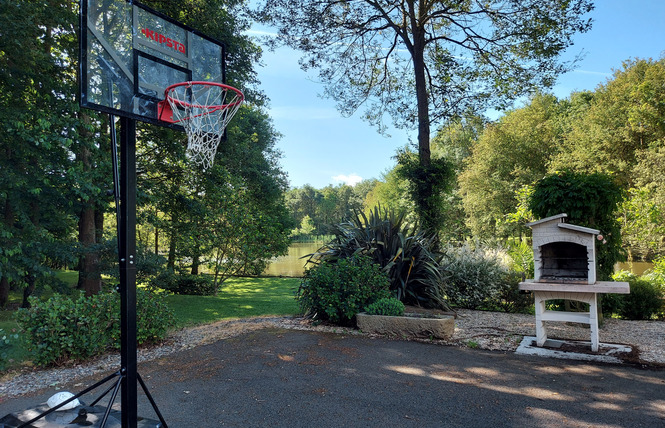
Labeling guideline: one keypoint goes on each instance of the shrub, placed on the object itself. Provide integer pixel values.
(474, 276)
(521, 255)
(153, 317)
(404, 253)
(192, 285)
(656, 274)
(387, 306)
(337, 291)
(165, 280)
(62, 329)
(644, 301)
(511, 299)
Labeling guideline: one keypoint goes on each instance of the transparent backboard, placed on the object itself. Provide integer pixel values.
(131, 53)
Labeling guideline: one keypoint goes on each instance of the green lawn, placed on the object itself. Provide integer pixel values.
(238, 298)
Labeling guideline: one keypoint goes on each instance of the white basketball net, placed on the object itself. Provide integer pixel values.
(203, 110)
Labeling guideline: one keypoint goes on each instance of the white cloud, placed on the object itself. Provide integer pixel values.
(351, 179)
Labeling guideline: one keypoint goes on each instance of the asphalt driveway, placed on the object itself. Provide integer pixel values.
(290, 378)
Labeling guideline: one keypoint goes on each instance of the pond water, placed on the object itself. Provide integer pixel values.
(637, 268)
(291, 264)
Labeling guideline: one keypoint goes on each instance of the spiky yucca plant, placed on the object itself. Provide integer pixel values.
(403, 251)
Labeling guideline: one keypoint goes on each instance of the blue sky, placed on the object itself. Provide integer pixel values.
(320, 147)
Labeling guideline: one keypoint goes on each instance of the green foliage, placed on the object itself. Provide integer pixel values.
(427, 185)
(404, 253)
(154, 318)
(657, 273)
(643, 219)
(388, 306)
(620, 133)
(475, 276)
(336, 291)
(306, 227)
(646, 298)
(191, 285)
(511, 298)
(521, 256)
(507, 157)
(623, 119)
(316, 209)
(589, 200)
(62, 329)
(148, 264)
(6, 341)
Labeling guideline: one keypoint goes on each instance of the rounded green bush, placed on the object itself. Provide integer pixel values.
(644, 301)
(63, 329)
(387, 306)
(191, 285)
(337, 291)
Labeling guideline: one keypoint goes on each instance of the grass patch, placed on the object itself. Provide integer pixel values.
(238, 298)
(15, 353)
(71, 277)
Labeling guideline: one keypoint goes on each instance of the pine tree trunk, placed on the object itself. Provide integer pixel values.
(89, 275)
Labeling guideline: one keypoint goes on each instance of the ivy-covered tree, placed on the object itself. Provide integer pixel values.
(421, 62)
(589, 200)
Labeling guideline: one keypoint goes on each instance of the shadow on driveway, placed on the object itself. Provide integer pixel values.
(290, 378)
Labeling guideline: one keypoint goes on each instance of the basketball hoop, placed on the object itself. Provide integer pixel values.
(203, 109)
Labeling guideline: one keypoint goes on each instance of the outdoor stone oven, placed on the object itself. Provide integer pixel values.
(563, 252)
(564, 258)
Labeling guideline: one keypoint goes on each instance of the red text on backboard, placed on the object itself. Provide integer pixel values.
(162, 39)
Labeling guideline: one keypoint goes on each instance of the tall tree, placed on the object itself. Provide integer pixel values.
(422, 61)
(509, 154)
(39, 124)
(624, 118)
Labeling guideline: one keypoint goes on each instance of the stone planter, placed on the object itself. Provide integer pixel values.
(409, 325)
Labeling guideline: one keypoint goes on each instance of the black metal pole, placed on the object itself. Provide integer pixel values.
(127, 237)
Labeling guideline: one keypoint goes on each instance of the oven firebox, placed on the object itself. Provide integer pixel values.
(563, 252)
(564, 262)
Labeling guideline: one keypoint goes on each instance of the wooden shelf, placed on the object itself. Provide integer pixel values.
(600, 287)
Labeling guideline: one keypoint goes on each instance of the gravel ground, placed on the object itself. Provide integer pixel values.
(476, 329)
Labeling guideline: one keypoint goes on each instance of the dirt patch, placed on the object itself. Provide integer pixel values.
(631, 357)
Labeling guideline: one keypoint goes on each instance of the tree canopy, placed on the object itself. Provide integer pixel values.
(55, 159)
(421, 62)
